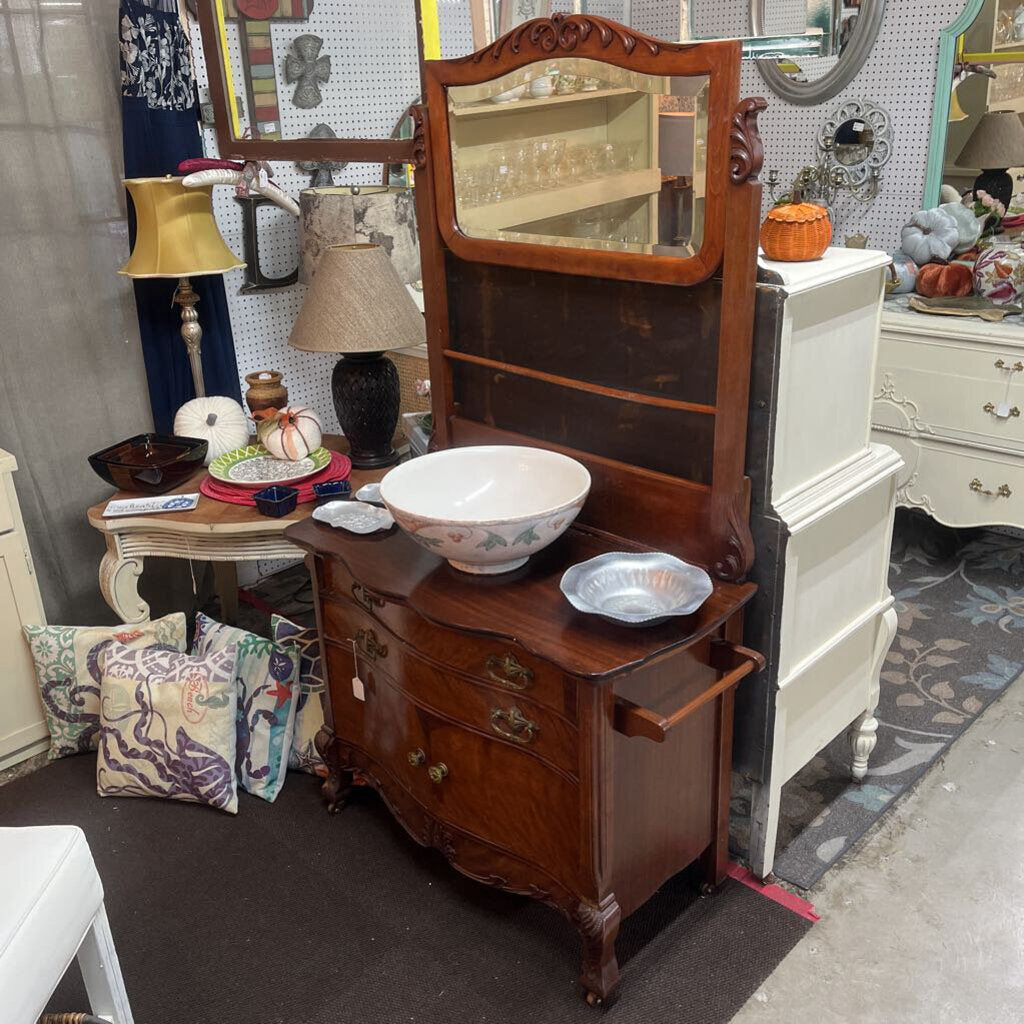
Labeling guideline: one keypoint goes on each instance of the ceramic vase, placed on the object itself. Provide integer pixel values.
(999, 274)
(265, 391)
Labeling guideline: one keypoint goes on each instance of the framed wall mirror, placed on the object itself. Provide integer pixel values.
(980, 76)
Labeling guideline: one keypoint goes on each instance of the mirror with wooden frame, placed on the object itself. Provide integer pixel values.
(631, 356)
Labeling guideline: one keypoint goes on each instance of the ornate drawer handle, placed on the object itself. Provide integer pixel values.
(509, 672)
(416, 757)
(371, 647)
(991, 407)
(520, 729)
(365, 598)
(438, 772)
(1018, 367)
(1002, 491)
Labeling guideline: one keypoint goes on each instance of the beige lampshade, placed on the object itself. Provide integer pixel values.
(997, 142)
(177, 235)
(357, 303)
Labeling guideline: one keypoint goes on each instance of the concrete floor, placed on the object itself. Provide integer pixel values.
(923, 922)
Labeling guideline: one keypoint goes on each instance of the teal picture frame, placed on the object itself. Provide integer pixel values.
(943, 88)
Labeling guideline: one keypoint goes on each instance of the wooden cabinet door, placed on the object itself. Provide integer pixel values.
(23, 729)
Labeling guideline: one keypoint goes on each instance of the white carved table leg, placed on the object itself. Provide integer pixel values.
(101, 973)
(863, 731)
(119, 583)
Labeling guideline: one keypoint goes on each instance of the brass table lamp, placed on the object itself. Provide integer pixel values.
(177, 237)
(358, 306)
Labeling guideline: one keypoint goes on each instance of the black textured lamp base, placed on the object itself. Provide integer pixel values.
(997, 183)
(366, 396)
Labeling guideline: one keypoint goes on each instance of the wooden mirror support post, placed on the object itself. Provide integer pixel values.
(541, 750)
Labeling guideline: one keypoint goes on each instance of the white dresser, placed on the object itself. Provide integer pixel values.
(949, 397)
(821, 510)
(22, 725)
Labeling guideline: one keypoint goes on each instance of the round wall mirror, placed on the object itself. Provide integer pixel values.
(848, 33)
(857, 135)
(853, 142)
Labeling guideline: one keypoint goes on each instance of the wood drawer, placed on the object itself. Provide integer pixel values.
(490, 789)
(510, 717)
(494, 661)
(941, 479)
(935, 401)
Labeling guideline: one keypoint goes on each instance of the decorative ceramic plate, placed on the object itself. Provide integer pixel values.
(354, 516)
(254, 466)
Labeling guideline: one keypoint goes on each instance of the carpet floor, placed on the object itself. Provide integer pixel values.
(286, 915)
(960, 600)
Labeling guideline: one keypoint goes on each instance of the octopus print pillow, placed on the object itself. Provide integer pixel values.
(309, 714)
(167, 726)
(68, 662)
(267, 677)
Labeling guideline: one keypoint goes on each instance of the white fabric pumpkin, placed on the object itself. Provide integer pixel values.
(968, 225)
(931, 235)
(217, 420)
(292, 433)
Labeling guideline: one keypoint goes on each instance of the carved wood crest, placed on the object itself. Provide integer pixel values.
(746, 151)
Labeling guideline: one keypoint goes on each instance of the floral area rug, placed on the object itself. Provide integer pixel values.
(960, 600)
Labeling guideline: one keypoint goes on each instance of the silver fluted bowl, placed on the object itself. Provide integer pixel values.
(636, 588)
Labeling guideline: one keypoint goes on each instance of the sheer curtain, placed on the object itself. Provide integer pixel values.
(71, 373)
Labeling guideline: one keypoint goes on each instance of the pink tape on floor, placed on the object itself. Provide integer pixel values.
(773, 892)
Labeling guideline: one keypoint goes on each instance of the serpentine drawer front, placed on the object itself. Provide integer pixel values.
(495, 661)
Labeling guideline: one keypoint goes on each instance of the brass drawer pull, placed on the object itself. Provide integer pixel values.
(369, 645)
(991, 407)
(519, 728)
(1018, 367)
(1002, 491)
(366, 598)
(416, 757)
(507, 670)
(438, 772)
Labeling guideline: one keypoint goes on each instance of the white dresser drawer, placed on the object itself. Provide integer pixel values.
(961, 485)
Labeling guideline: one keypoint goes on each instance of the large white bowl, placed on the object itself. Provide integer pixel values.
(486, 509)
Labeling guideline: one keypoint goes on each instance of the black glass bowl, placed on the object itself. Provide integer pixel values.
(150, 463)
(276, 501)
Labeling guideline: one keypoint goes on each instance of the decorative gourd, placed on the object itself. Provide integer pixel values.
(944, 279)
(795, 232)
(999, 274)
(290, 433)
(217, 420)
(903, 276)
(931, 235)
(967, 224)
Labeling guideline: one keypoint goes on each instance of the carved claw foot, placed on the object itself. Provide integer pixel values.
(598, 927)
(863, 739)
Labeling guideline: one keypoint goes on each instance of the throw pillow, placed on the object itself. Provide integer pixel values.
(68, 665)
(309, 715)
(266, 674)
(167, 726)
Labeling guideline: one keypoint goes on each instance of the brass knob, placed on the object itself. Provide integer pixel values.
(1002, 491)
(416, 757)
(1017, 367)
(438, 772)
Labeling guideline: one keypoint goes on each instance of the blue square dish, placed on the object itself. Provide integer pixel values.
(333, 490)
(276, 501)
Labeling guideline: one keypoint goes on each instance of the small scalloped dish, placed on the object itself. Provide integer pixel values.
(354, 516)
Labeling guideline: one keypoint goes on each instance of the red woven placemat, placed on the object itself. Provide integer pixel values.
(338, 469)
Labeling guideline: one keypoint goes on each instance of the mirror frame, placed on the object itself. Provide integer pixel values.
(847, 65)
(881, 126)
(230, 148)
(943, 91)
(734, 150)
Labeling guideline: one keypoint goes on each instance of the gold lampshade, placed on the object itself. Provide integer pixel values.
(996, 142)
(177, 235)
(357, 303)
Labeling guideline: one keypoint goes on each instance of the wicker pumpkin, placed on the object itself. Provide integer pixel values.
(290, 433)
(944, 279)
(796, 232)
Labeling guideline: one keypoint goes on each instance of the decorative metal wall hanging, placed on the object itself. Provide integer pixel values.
(322, 170)
(255, 279)
(310, 70)
(258, 64)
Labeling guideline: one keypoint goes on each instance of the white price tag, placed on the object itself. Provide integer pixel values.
(358, 689)
(1003, 410)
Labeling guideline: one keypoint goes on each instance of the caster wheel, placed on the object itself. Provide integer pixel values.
(707, 890)
(600, 1002)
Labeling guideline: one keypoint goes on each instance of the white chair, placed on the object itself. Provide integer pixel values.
(51, 909)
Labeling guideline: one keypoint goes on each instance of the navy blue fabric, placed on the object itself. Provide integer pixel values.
(156, 139)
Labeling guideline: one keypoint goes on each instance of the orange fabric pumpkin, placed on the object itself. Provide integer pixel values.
(796, 232)
(944, 279)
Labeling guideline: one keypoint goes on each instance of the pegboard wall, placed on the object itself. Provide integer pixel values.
(898, 75)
